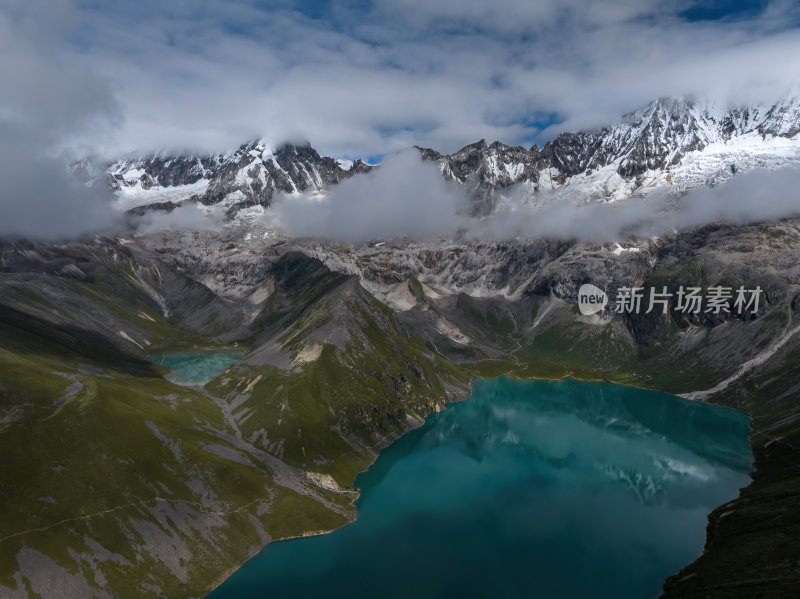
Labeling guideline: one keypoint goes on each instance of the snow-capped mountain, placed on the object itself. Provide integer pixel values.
(249, 175)
(674, 143)
(678, 142)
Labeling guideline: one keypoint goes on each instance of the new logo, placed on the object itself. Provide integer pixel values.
(591, 299)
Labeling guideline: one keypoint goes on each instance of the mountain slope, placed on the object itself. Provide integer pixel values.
(680, 142)
(249, 175)
(676, 143)
(126, 484)
(335, 366)
(347, 346)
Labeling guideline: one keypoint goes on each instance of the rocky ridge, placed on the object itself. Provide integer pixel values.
(675, 143)
(679, 142)
(408, 323)
(249, 175)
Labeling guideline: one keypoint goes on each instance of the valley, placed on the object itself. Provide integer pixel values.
(174, 397)
(336, 366)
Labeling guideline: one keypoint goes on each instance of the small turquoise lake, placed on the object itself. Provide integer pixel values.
(526, 489)
(197, 367)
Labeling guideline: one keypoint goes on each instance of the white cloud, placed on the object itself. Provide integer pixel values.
(406, 197)
(440, 74)
(758, 196)
(44, 99)
(110, 78)
(190, 217)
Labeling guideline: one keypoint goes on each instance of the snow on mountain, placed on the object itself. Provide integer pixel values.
(249, 175)
(672, 143)
(679, 143)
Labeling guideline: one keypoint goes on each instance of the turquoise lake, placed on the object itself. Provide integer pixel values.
(526, 489)
(197, 367)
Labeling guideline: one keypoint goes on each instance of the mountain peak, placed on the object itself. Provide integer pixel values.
(676, 142)
(248, 175)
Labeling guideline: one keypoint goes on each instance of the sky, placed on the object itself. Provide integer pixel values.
(359, 78)
(363, 78)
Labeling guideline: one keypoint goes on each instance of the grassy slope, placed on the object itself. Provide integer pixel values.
(105, 458)
(93, 467)
(137, 487)
(369, 377)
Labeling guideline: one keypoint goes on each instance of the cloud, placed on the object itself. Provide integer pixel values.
(379, 77)
(44, 100)
(758, 196)
(407, 198)
(188, 217)
(39, 199)
(106, 79)
(403, 197)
